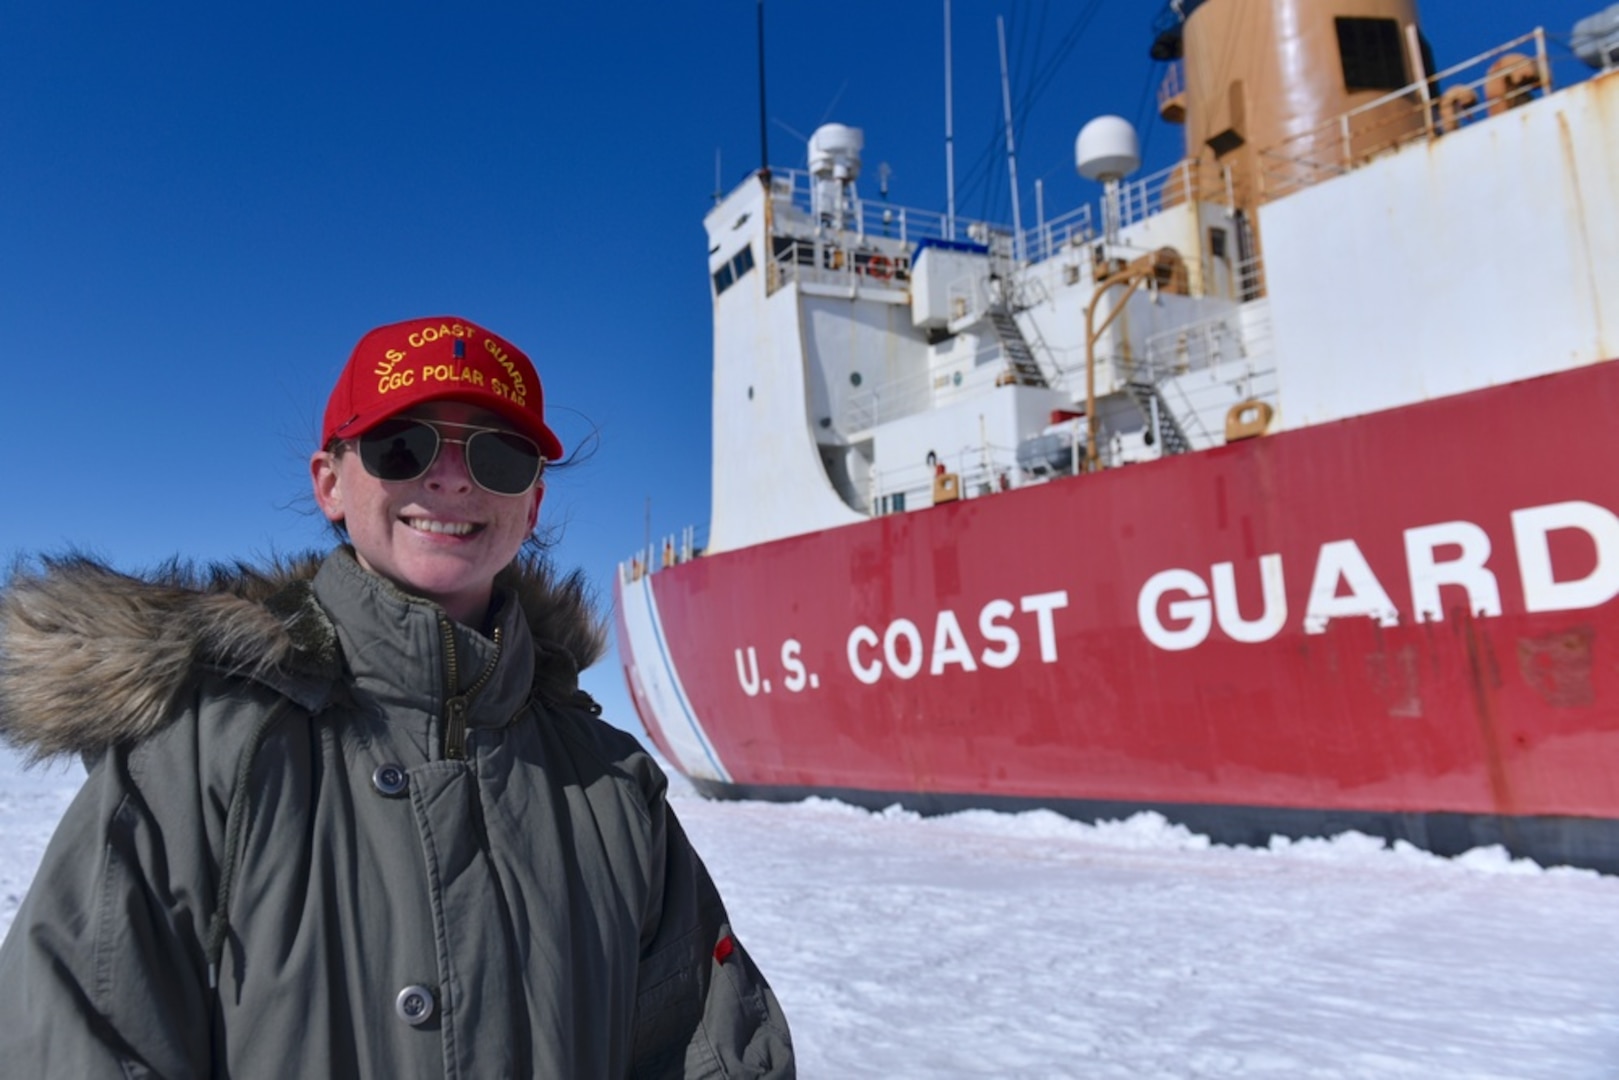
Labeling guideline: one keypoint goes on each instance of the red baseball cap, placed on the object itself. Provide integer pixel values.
(404, 364)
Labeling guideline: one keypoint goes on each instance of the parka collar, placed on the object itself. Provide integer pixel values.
(407, 656)
(91, 657)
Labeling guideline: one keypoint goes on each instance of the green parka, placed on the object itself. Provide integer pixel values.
(329, 832)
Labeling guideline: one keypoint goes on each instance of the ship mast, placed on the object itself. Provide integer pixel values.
(764, 127)
(1011, 146)
(949, 136)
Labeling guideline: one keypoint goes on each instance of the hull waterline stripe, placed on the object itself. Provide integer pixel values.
(656, 622)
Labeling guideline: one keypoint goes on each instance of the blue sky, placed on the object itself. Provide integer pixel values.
(202, 207)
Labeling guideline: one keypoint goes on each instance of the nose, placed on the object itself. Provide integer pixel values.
(449, 470)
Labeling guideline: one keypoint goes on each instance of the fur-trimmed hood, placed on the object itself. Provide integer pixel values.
(90, 657)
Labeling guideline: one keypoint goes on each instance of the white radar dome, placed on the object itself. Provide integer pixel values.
(1107, 149)
(834, 151)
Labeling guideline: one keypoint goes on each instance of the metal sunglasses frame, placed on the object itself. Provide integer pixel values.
(475, 430)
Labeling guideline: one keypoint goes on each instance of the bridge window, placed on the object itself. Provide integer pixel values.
(723, 279)
(728, 274)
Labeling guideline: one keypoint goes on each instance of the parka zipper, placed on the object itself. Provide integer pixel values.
(460, 701)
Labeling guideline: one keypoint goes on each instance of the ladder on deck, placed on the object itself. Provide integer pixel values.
(1024, 367)
(1160, 418)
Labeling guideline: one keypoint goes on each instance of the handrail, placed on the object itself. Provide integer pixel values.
(1173, 84)
(905, 396)
(982, 469)
(827, 263)
(881, 219)
(1064, 230)
(1132, 277)
(667, 551)
(866, 221)
(1386, 123)
(1212, 347)
(1300, 161)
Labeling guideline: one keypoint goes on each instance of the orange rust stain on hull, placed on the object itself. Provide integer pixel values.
(1558, 666)
(1485, 675)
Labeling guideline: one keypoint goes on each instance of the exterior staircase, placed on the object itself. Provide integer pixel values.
(1024, 368)
(1160, 418)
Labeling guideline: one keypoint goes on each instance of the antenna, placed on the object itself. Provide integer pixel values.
(949, 137)
(1011, 146)
(764, 127)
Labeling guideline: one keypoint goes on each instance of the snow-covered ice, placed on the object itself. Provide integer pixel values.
(993, 945)
(1028, 945)
(31, 803)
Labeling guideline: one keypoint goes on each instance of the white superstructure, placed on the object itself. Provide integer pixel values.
(860, 351)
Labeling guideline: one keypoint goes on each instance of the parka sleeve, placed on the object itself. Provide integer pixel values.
(100, 973)
(704, 1009)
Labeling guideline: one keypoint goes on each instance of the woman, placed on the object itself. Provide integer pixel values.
(354, 817)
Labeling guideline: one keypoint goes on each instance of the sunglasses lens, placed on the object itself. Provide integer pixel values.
(398, 449)
(503, 462)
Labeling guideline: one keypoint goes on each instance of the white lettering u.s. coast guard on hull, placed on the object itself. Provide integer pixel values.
(1180, 608)
(1176, 611)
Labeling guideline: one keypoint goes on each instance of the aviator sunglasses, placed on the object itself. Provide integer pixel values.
(500, 462)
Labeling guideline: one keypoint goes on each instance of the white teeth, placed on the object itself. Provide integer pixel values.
(452, 528)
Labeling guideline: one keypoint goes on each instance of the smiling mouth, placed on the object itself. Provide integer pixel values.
(443, 528)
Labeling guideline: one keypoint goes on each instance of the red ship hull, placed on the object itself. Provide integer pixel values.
(1105, 643)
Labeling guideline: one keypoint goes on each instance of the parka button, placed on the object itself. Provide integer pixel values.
(390, 779)
(414, 1005)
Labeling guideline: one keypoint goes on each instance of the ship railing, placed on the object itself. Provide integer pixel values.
(1202, 369)
(855, 221)
(1485, 85)
(1023, 292)
(663, 553)
(1159, 191)
(980, 470)
(974, 295)
(1068, 364)
(915, 393)
(824, 263)
(1250, 277)
(1172, 91)
(862, 217)
(1211, 343)
(998, 349)
(1047, 238)
(905, 396)
(1134, 201)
